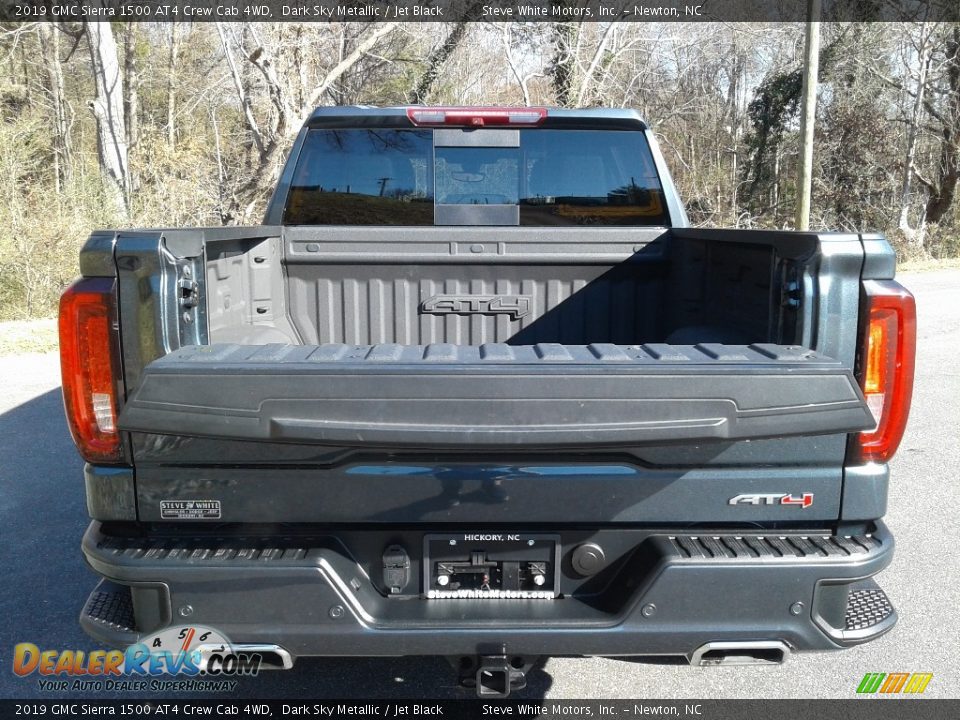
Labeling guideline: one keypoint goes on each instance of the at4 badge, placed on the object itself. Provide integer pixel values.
(803, 500)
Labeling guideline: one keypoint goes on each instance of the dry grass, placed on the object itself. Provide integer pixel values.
(28, 336)
(928, 264)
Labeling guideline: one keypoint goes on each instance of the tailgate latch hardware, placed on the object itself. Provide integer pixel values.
(188, 293)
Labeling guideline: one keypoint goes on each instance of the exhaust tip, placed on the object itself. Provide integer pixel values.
(748, 652)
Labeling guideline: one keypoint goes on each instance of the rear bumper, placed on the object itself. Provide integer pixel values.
(671, 595)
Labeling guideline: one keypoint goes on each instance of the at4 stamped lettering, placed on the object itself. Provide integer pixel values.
(516, 306)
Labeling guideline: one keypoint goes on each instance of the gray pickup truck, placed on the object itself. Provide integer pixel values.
(475, 389)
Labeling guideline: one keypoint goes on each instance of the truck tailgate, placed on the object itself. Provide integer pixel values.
(496, 395)
(459, 375)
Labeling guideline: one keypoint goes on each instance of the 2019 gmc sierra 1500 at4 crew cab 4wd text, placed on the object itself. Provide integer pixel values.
(475, 389)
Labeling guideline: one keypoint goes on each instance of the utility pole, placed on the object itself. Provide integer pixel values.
(808, 115)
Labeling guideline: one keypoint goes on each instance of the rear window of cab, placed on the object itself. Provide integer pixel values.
(550, 178)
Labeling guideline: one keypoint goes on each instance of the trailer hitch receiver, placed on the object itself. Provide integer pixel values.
(497, 676)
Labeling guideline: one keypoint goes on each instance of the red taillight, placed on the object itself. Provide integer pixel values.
(888, 353)
(477, 117)
(88, 366)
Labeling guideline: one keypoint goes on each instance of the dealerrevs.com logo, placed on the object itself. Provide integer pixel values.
(188, 652)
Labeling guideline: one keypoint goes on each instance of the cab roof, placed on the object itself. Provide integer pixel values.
(397, 117)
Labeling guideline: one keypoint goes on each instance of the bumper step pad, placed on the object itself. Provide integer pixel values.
(108, 614)
(867, 607)
(853, 612)
(749, 547)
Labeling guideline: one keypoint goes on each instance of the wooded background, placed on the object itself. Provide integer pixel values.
(170, 124)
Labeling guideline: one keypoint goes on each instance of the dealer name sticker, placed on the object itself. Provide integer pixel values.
(190, 509)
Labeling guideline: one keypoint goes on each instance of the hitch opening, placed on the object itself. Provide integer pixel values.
(493, 681)
(493, 676)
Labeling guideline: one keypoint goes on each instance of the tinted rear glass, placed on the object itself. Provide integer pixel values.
(397, 177)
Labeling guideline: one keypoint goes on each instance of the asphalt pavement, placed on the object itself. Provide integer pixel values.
(45, 582)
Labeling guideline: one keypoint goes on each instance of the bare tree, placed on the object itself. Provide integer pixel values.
(513, 64)
(272, 141)
(241, 89)
(942, 187)
(107, 107)
(62, 147)
(440, 54)
(587, 78)
(808, 114)
(915, 235)
(172, 49)
(564, 68)
(131, 83)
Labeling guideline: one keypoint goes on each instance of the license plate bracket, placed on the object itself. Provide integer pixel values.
(491, 566)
